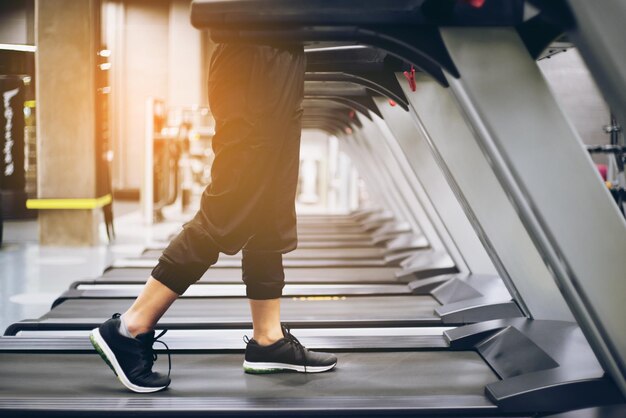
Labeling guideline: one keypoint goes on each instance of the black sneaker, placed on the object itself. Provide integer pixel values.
(284, 355)
(131, 359)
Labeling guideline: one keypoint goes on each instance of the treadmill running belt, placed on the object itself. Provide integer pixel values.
(426, 380)
(292, 275)
(236, 310)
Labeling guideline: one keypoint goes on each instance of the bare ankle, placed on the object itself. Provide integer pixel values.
(268, 338)
(134, 326)
(265, 341)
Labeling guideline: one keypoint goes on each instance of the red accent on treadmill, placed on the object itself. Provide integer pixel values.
(475, 3)
(604, 171)
(392, 103)
(410, 76)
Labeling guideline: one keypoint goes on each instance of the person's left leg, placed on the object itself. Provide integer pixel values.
(264, 277)
(266, 321)
(273, 348)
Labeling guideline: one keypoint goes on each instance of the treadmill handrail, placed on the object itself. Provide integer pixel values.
(268, 13)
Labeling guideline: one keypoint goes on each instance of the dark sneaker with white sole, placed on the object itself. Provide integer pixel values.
(286, 354)
(131, 359)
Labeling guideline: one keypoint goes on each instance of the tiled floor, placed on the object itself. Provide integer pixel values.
(32, 276)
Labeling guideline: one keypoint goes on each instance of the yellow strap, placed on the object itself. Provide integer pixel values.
(307, 298)
(29, 103)
(92, 203)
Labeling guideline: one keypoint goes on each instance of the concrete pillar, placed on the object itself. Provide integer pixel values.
(66, 88)
(144, 67)
(185, 55)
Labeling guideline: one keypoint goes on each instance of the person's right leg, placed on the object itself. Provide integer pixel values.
(153, 301)
(273, 348)
(125, 342)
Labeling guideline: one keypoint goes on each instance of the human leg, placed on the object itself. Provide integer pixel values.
(266, 320)
(264, 278)
(125, 342)
(153, 301)
(273, 348)
(182, 263)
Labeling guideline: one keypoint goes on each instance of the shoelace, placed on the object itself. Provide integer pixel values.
(292, 339)
(149, 353)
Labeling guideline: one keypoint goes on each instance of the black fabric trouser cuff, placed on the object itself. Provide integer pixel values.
(261, 292)
(263, 274)
(170, 276)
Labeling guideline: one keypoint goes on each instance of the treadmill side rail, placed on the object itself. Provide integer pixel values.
(477, 310)
(547, 364)
(426, 264)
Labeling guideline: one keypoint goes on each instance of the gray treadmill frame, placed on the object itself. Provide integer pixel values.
(367, 138)
(437, 197)
(544, 186)
(371, 138)
(384, 187)
(371, 148)
(424, 260)
(473, 181)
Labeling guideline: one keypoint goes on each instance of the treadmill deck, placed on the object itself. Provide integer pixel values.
(214, 382)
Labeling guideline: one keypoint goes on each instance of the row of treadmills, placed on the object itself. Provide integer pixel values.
(488, 280)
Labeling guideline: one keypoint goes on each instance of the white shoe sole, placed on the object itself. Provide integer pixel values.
(260, 367)
(107, 354)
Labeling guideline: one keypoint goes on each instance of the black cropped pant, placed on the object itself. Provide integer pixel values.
(255, 94)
